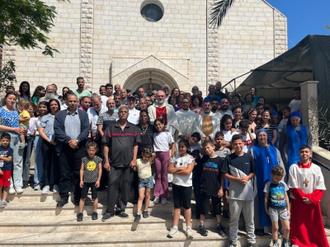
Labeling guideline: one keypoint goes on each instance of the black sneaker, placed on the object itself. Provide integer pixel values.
(122, 214)
(252, 245)
(226, 214)
(221, 230)
(202, 230)
(80, 217)
(137, 218)
(107, 216)
(94, 216)
(25, 184)
(145, 214)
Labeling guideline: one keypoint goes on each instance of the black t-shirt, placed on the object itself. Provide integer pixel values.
(6, 152)
(245, 163)
(211, 175)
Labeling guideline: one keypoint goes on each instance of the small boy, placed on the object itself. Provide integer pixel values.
(239, 169)
(277, 205)
(6, 156)
(24, 119)
(222, 152)
(286, 113)
(211, 186)
(248, 137)
(306, 183)
(90, 176)
(194, 150)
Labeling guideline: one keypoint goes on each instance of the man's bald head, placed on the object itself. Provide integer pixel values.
(161, 97)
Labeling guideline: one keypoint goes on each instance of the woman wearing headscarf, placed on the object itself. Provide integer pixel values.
(293, 136)
(266, 156)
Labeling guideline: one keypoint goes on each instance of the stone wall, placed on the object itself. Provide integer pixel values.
(252, 33)
(102, 39)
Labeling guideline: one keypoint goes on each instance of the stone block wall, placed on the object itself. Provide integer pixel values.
(252, 33)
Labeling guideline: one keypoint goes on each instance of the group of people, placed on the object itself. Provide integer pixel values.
(239, 152)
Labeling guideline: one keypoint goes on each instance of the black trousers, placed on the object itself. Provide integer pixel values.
(70, 161)
(50, 163)
(119, 179)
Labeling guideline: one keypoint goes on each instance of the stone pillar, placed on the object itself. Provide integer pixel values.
(309, 108)
(86, 41)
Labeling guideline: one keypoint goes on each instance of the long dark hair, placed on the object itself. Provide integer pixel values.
(223, 120)
(58, 103)
(28, 93)
(37, 92)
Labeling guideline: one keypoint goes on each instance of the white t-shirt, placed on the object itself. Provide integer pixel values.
(295, 105)
(227, 135)
(248, 142)
(185, 181)
(133, 116)
(162, 140)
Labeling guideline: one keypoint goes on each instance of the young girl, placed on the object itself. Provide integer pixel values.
(163, 142)
(181, 167)
(90, 176)
(38, 162)
(143, 167)
(251, 116)
(226, 125)
(266, 119)
(24, 119)
(237, 112)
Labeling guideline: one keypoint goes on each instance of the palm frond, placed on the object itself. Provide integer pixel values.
(219, 11)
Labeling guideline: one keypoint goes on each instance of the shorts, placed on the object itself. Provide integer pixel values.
(84, 190)
(181, 196)
(274, 213)
(205, 204)
(5, 178)
(146, 182)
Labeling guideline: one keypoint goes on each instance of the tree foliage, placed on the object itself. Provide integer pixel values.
(219, 11)
(26, 23)
(7, 75)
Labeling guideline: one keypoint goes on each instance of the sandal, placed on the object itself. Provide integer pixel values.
(4, 204)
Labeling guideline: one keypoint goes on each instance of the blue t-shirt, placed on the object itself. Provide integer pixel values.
(5, 152)
(9, 118)
(276, 194)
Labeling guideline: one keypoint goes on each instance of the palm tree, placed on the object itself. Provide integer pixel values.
(219, 11)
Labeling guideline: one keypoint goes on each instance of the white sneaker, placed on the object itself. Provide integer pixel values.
(36, 187)
(172, 232)
(55, 189)
(156, 200)
(19, 190)
(189, 233)
(45, 190)
(12, 191)
(164, 201)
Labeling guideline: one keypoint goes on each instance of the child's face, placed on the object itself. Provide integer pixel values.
(42, 109)
(276, 178)
(238, 145)
(228, 124)
(5, 142)
(305, 154)
(146, 157)
(19, 108)
(182, 148)
(243, 131)
(159, 126)
(30, 111)
(209, 149)
(265, 117)
(218, 141)
(91, 152)
(253, 116)
(192, 141)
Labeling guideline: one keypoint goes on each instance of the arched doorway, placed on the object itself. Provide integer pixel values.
(150, 79)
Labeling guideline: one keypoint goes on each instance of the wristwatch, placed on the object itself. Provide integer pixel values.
(77, 141)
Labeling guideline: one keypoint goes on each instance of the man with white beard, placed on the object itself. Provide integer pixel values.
(163, 111)
(207, 124)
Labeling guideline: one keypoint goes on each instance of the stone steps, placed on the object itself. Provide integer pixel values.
(32, 219)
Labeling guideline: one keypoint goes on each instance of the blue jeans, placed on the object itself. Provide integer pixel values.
(16, 179)
(27, 158)
(38, 162)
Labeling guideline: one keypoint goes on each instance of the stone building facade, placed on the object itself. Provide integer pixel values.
(111, 41)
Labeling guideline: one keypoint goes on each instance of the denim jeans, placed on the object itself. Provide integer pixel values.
(16, 179)
(27, 158)
(38, 162)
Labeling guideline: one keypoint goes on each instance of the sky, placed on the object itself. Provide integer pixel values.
(304, 17)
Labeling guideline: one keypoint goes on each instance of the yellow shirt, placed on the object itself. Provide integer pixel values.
(24, 114)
